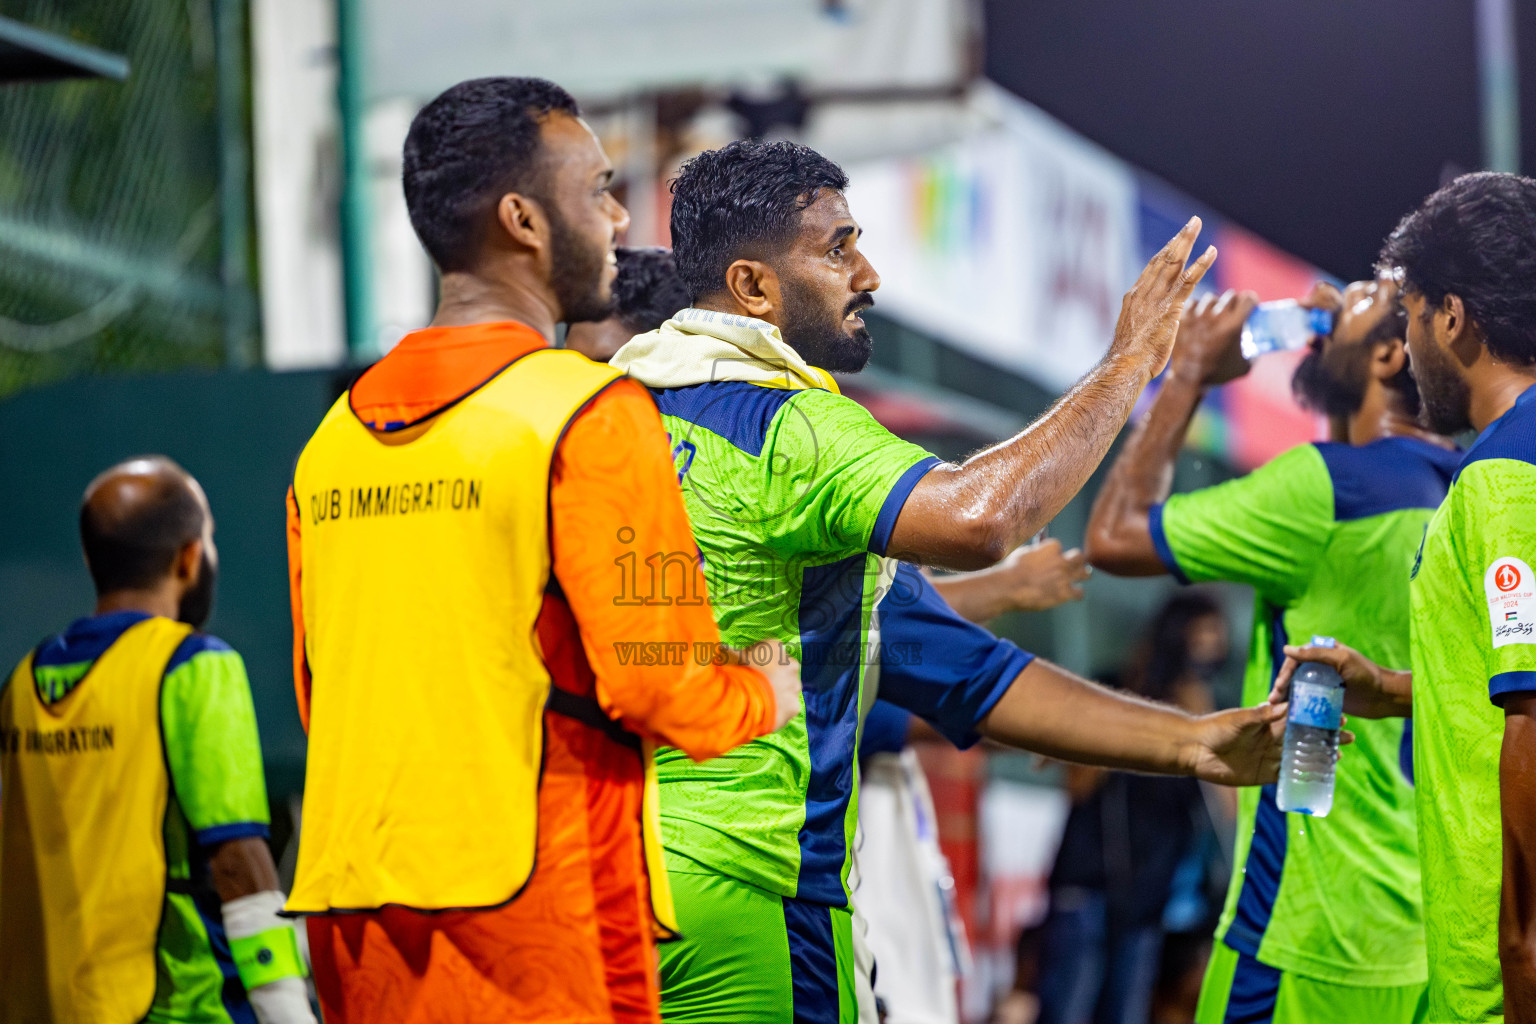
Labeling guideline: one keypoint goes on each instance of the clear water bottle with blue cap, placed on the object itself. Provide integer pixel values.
(1282, 326)
(1311, 747)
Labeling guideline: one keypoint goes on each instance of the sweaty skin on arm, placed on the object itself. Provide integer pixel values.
(1050, 711)
(613, 494)
(1119, 537)
(971, 515)
(1517, 909)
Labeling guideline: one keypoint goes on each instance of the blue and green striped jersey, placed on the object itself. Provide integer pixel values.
(1326, 535)
(1474, 646)
(792, 495)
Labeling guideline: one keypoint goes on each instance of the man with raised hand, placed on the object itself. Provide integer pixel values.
(1466, 259)
(135, 879)
(481, 677)
(800, 503)
(1323, 915)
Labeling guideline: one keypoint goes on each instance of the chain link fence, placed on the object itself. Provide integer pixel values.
(124, 206)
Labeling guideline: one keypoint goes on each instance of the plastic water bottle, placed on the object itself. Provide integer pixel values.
(1311, 739)
(1281, 326)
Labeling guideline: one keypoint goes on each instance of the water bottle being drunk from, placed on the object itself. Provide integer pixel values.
(1282, 326)
(1311, 738)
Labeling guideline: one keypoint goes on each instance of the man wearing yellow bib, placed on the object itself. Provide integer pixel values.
(135, 878)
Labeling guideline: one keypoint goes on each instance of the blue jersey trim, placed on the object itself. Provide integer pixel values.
(935, 664)
(831, 617)
(1261, 876)
(1405, 751)
(1508, 684)
(1511, 436)
(1388, 475)
(739, 412)
(812, 962)
(885, 730)
(210, 837)
(191, 647)
(1160, 543)
(85, 639)
(890, 509)
(1266, 850)
(232, 993)
(205, 900)
(1254, 992)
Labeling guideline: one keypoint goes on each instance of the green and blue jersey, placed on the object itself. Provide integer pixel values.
(1474, 646)
(1326, 535)
(792, 495)
(217, 793)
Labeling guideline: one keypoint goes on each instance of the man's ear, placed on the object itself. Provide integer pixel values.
(754, 287)
(189, 562)
(1388, 358)
(1461, 337)
(523, 221)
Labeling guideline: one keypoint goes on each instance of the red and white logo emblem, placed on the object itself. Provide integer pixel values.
(1511, 601)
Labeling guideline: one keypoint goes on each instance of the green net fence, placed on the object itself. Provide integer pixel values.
(123, 217)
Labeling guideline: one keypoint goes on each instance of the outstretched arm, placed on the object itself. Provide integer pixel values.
(971, 515)
(1050, 711)
(1119, 538)
(1517, 909)
(1035, 578)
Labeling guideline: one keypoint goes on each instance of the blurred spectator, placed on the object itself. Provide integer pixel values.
(1125, 839)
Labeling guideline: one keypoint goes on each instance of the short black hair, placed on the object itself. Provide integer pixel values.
(742, 202)
(466, 149)
(1476, 238)
(137, 549)
(648, 288)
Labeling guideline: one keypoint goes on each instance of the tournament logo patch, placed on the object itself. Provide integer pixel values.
(1511, 593)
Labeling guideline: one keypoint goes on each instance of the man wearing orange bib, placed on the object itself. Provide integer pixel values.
(135, 879)
(498, 609)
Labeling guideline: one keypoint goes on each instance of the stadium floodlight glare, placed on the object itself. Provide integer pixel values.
(30, 54)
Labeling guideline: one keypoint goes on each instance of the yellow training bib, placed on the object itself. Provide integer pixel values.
(425, 559)
(83, 790)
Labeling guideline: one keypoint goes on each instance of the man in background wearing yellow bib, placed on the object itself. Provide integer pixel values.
(135, 878)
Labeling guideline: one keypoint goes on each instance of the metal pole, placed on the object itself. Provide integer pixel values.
(356, 234)
(234, 185)
(1499, 82)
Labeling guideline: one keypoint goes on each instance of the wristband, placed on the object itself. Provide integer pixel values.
(267, 957)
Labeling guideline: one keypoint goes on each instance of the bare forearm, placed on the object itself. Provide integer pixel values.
(1517, 911)
(1002, 496)
(971, 595)
(242, 867)
(1397, 692)
(1050, 711)
(1119, 534)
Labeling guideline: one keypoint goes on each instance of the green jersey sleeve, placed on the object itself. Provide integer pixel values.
(1494, 533)
(1266, 529)
(211, 742)
(843, 475)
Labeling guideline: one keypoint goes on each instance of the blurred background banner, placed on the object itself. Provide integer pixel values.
(1015, 242)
